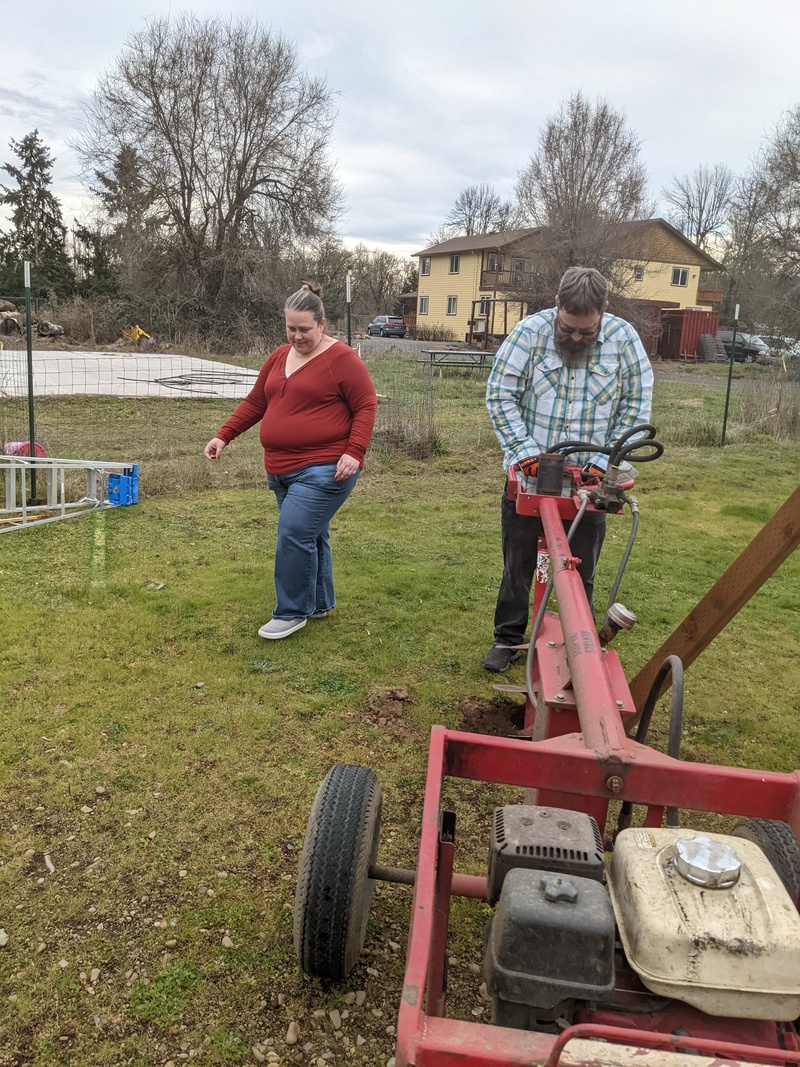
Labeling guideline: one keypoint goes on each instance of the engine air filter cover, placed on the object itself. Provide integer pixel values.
(543, 839)
(551, 939)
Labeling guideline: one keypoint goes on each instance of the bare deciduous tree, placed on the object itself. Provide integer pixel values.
(479, 209)
(231, 138)
(583, 182)
(762, 256)
(379, 277)
(701, 202)
(782, 165)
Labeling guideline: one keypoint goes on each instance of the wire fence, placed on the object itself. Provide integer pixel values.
(158, 410)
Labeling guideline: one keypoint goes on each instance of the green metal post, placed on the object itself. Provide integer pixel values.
(349, 277)
(29, 340)
(730, 375)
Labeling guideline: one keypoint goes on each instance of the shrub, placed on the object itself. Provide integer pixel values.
(431, 333)
(771, 406)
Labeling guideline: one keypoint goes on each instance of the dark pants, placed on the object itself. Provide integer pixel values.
(520, 535)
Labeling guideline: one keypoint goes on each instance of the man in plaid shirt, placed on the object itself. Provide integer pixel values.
(572, 372)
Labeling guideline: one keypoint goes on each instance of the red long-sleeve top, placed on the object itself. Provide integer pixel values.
(322, 410)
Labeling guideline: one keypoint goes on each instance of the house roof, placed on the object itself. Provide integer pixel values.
(642, 225)
(476, 242)
(481, 241)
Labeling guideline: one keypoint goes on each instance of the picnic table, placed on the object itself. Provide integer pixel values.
(465, 359)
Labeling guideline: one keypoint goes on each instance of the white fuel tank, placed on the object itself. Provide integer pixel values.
(704, 918)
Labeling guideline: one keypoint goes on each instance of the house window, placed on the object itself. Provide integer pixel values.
(680, 275)
(638, 274)
(425, 265)
(452, 305)
(423, 305)
(494, 261)
(483, 307)
(520, 265)
(455, 263)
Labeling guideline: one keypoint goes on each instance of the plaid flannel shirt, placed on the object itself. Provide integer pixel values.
(534, 400)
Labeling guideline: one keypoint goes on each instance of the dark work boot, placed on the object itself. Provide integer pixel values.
(499, 658)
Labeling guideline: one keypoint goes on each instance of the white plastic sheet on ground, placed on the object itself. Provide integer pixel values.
(117, 374)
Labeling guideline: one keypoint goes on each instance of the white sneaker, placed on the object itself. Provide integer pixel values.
(275, 629)
(319, 615)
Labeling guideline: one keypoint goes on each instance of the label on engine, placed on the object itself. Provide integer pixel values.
(643, 838)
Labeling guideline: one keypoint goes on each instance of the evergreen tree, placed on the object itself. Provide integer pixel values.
(39, 234)
(135, 231)
(96, 274)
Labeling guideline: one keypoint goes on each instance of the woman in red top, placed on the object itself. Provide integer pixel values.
(316, 404)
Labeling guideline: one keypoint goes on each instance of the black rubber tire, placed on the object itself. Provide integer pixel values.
(777, 842)
(334, 889)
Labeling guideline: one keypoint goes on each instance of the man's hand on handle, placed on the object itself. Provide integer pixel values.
(530, 466)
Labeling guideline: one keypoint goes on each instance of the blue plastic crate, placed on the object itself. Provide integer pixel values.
(123, 489)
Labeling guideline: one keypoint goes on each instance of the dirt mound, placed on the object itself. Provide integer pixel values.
(500, 718)
(384, 707)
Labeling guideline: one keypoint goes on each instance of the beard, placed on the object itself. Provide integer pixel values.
(574, 353)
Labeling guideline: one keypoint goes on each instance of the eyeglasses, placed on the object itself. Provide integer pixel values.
(571, 330)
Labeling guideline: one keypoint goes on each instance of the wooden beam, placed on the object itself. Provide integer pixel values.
(745, 576)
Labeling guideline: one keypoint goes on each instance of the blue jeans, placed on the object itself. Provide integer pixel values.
(307, 501)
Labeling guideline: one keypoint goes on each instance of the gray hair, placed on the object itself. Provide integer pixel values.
(307, 298)
(582, 290)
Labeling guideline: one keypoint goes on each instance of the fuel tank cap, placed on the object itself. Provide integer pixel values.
(711, 864)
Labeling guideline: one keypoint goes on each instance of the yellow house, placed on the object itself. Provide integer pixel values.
(469, 285)
(666, 267)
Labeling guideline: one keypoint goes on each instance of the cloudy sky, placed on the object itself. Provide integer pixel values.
(436, 95)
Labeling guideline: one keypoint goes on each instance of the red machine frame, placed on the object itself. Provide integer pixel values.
(582, 758)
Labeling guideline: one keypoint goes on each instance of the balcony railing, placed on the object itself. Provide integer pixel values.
(506, 279)
(709, 296)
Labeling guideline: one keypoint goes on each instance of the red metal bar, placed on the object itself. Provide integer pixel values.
(410, 1015)
(450, 1043)
(436, 993)
(597, 707)
(469, 885)
(654, 817)
(652, 779)
(732, 1050)
(461, 885)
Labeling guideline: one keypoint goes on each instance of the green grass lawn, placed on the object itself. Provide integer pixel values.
(164, 758)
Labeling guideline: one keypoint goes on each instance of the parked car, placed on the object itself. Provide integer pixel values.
(387, 326)
(749, 347)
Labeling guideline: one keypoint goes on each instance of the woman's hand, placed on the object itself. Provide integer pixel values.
(213, 449)
(345, 468)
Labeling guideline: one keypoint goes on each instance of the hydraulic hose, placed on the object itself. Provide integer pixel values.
(621, 449)
(625, 447)
(671, 665)
(633, 504)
